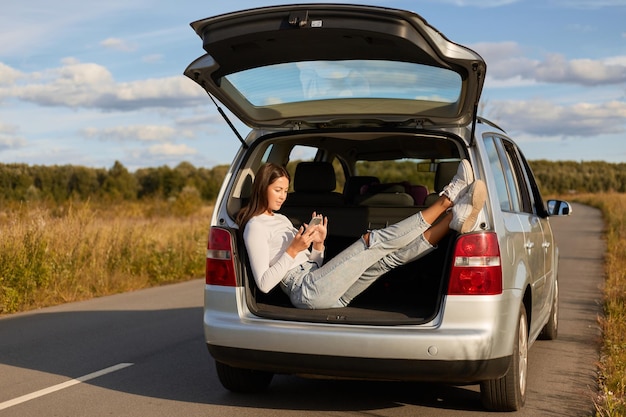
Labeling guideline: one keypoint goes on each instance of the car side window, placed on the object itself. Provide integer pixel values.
(516, 175)
(499, 176)
(535, 201)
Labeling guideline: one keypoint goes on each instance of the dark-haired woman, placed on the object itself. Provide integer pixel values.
(293, 258)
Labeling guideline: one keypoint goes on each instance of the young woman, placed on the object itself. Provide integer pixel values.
(293, 258)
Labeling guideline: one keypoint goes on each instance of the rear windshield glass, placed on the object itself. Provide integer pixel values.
(317, 80)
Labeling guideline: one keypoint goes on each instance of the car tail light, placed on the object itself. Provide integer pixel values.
(220, 266)
(476, 268)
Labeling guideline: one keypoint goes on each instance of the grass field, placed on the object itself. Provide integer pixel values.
(62, 254)
(612, 367)
(53, 255)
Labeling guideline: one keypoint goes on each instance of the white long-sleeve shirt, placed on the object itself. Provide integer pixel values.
(267, 238)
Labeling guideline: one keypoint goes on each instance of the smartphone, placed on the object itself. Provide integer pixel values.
(314, 221)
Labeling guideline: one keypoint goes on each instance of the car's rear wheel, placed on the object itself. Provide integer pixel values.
(508, 393)
(551, 329)
(242, 380)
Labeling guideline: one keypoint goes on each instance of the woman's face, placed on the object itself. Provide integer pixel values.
(277, 194)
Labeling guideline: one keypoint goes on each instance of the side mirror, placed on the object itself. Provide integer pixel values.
(559, 208)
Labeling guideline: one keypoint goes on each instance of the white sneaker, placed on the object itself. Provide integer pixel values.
(466, 210)
(458, 186)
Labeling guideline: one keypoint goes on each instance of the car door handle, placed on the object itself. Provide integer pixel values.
(545, 245)
(529, 245)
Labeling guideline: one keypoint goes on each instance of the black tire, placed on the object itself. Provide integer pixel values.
(508, 393)
(242, 380)
(551, 330)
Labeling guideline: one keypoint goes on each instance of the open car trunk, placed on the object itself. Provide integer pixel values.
(410, 294)
(361, 179)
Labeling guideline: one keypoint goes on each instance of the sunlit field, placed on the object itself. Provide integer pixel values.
(612, 372)
(56, 254)
(53, 255)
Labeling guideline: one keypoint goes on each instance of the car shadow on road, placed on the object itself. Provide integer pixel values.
(171, 362)
(292, 393)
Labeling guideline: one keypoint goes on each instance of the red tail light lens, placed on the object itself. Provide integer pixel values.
(476, 268)
(220, 266)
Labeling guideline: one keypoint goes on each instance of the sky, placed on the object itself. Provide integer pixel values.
(88, 83)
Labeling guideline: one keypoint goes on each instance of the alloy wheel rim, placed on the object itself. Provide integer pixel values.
(523, 354)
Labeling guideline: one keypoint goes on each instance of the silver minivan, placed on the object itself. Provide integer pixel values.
(371, 109)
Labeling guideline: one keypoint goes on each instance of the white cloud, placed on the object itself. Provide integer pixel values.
(118, 45)
(9, 138)
(616, 60)
(514, 82)
(557, 69)
(156, 92)
(199, 120)
(7, 128)
(169, 149)
(88, 85)
(506, 60)
(142, 133)
(544, 118)
(11, 142)
(8, 75)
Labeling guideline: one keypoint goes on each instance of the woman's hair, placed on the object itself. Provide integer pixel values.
(266, 175)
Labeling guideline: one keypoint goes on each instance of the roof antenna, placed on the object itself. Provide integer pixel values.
(232, 127)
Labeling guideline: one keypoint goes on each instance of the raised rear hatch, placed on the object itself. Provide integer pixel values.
(316, 64)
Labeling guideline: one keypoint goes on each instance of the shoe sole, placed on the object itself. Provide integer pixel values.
(479, 196)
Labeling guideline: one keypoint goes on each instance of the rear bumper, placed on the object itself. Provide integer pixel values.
(461, 371)
(470, 342)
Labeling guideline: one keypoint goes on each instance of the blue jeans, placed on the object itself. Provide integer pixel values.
(336, 283)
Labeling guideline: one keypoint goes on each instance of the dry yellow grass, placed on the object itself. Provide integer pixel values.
(612, 367)
(56, 255)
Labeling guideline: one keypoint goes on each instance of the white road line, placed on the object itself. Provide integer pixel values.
(63, 385)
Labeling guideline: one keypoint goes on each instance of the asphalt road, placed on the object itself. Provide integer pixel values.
(142, 354)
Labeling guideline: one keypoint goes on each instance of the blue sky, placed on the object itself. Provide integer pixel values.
(88, 82)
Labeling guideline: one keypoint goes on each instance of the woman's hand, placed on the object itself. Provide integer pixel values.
(301, 241)
(320, 232)
(321, 229)
(306, 236)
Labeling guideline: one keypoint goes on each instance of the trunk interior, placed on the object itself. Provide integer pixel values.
(361, 179)
(410, 294)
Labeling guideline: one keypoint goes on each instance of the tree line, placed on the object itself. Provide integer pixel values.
(22, 182)
(561, 177)
(62, 183)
